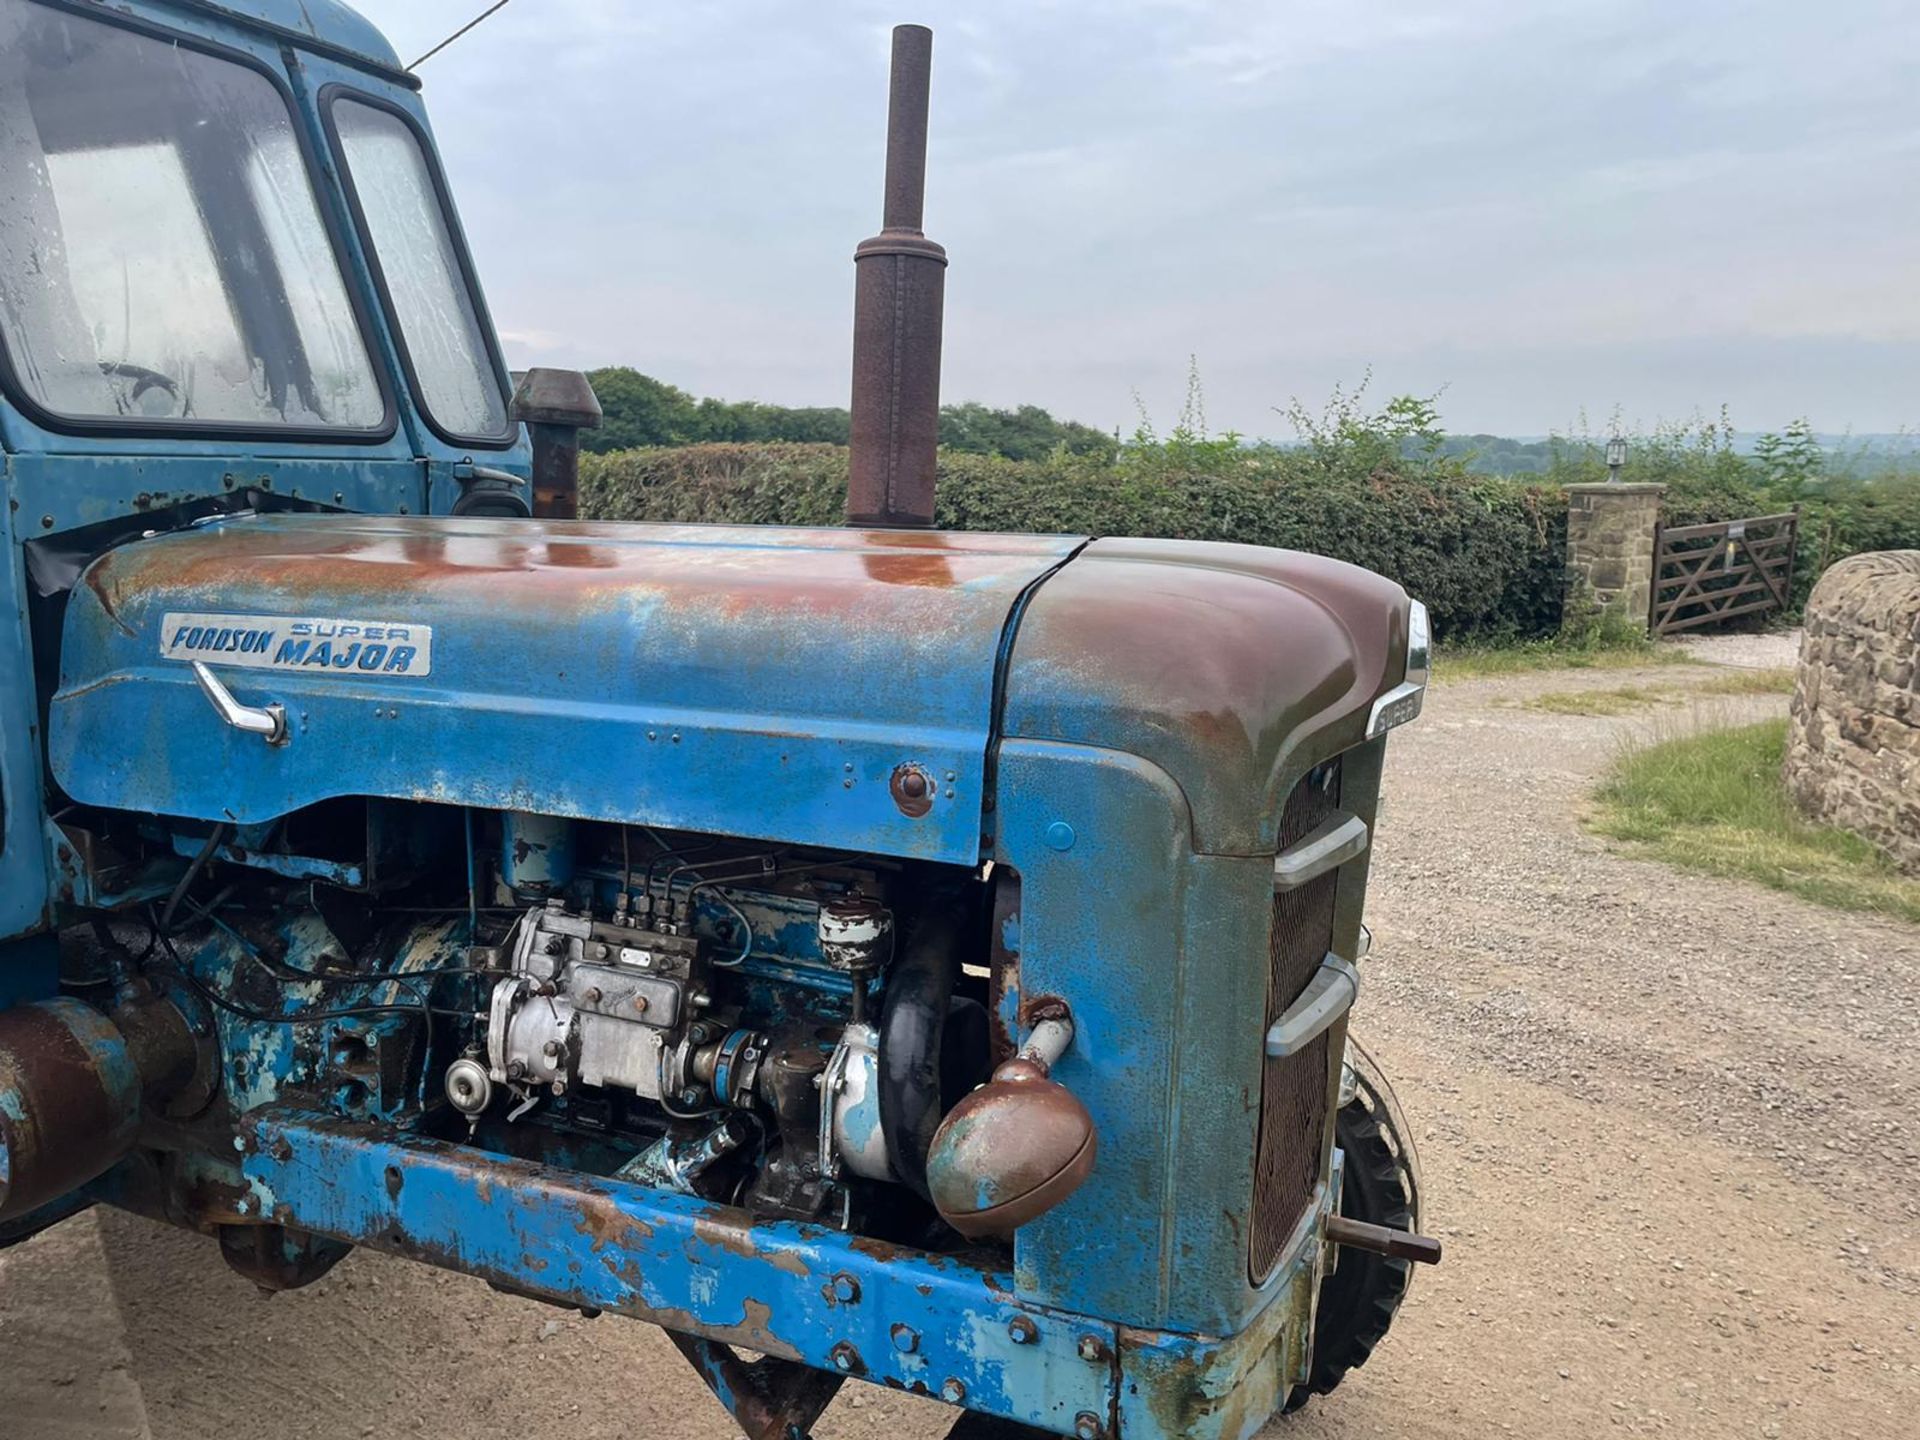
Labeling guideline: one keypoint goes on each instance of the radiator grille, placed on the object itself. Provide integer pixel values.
(1293, 1091)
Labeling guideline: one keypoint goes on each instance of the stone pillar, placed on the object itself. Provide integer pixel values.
(1610, 546)
(1853, 747)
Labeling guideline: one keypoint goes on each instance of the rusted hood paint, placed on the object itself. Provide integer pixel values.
(763, 682)
(760, 682)
(1234, 668)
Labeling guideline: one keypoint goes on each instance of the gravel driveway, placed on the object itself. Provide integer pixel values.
(1667, 1125)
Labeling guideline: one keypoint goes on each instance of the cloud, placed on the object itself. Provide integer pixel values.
(1542, 207)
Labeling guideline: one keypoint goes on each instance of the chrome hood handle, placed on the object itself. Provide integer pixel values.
(268, 722)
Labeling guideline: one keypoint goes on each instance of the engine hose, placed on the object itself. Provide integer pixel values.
(192, 874)
(912, 1023)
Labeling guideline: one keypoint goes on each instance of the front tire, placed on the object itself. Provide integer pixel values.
(1359, 1299)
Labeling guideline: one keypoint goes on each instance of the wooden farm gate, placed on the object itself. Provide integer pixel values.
(1703, 574)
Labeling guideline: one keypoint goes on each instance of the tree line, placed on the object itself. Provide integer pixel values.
(642, 411)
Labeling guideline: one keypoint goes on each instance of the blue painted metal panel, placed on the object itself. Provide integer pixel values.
(1162, 955)
(696, 1267)
(62, 492)
(23, 861)
(768, 683)
(765, 1286)
(1174, 1386)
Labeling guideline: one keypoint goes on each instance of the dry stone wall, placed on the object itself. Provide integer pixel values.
(1853, 749)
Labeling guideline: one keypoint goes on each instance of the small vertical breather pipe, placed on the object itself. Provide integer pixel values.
(899, 292)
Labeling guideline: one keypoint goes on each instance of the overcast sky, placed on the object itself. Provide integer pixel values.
(1545, 206)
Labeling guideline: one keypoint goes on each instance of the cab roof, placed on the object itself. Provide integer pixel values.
(326, 24)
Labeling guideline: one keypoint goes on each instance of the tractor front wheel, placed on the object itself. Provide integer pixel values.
(1361, 1295)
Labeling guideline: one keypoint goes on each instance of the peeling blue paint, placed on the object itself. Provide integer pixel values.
(761, 1285)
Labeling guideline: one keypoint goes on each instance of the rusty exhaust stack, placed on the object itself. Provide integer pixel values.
(899, 291)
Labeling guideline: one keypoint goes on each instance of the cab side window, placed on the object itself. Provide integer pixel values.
(400, 205)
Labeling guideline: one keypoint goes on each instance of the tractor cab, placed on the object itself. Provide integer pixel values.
(231, 279)
(221, 250)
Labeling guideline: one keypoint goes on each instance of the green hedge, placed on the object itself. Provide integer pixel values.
(1486, 555)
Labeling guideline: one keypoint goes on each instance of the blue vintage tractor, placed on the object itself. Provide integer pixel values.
(870, 953)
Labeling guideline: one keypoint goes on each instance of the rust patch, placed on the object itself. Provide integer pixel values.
(912, 789)
(728, 1235)
(894, 568)
(788, 1263)
(606, 1224)
(829, 572)
(915, 539)
(884, 1250)
(983, 1263)
(731, 1230)
(754, 1332)
(70, 1126)
(96, 581)
(1044, 1007)
(1213, 662)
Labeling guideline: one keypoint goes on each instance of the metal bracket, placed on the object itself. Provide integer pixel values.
(832, 1081)
(1330, 846)
(1328, 996)
(770, 1399)
(268, 722)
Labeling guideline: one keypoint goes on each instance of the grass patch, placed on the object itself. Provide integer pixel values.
(1777, 681)
(1473, 661)
(1714, 802)
(1620, 700)
(1624, 699)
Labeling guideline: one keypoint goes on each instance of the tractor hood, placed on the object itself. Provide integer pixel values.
(1233, 669)
(830, 687)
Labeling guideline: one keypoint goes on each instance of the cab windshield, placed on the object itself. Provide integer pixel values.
(162, 256)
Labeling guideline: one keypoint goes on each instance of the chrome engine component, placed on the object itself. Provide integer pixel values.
(854, 932)
(850, 1132)
(469, 1087)
(727, 1069)
(592, 1003)
(856, 936)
